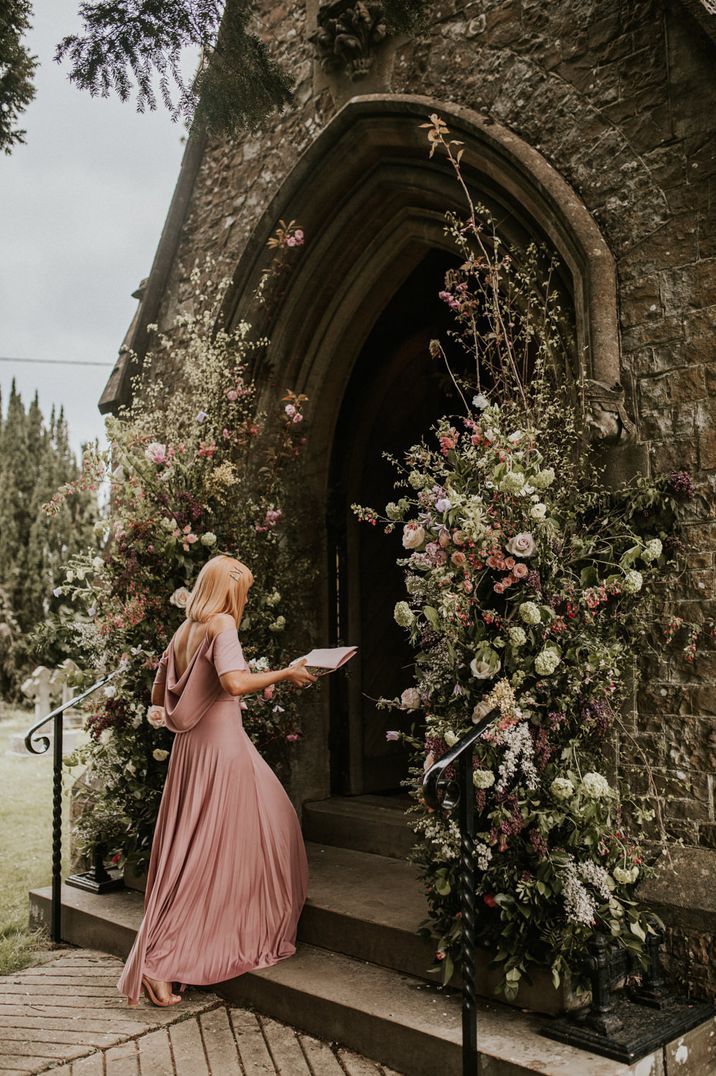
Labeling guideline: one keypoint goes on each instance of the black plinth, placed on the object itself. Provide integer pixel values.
(95, 883)
(632, 1029)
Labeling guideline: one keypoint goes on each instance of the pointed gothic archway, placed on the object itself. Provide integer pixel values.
(372, 203)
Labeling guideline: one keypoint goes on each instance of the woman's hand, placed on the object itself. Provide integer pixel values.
(299, 675)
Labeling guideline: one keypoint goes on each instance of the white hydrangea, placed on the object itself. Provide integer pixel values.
(625, 876)
(544, 478)
(403, 614)
(652, 550)
(530, 613)
(594, 785)
(517, 635)
(512, 482)
(632, 582)
(562, 788)
(483, 778)
(547, 661)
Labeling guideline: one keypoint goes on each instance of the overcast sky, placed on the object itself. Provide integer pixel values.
(82, 206)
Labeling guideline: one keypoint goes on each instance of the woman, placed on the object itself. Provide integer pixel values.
(228, 872)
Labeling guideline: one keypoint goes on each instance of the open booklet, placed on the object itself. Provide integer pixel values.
(325, 661)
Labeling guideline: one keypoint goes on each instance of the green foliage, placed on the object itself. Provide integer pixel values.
(530, 587)
(34, 459)
(17, 69)
(237, 83)
(196, 468)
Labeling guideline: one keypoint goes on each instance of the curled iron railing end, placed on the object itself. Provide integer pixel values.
(37, 746)
(436, 787)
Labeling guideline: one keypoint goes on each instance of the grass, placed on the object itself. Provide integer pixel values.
(25, 840)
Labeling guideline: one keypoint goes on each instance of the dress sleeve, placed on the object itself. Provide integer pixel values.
(161, 673)
(227, 653)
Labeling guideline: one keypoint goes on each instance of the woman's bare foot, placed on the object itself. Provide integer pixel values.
(162, 989)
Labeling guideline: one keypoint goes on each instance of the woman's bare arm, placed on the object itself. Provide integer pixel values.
(243, 682)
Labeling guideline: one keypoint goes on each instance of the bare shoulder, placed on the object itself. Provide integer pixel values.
(220, 622)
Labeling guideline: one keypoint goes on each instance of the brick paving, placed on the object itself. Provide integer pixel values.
(65, 1016)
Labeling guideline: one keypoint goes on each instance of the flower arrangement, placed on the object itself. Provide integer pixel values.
(530, 587)
(194, 469)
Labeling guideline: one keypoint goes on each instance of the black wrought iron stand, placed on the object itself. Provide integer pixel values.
(446, 793)
(630, 1023)
(38, 747)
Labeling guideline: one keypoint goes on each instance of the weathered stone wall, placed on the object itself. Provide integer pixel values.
(619, 97)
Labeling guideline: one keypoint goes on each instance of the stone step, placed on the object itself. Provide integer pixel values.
(391, 1017)
(376, 824)
(366, 906)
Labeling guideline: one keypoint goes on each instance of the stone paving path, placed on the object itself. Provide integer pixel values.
(66, 1016)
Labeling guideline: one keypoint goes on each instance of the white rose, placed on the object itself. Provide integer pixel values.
(413, 536)
(410, 699)
(538, 511)
(450, 739)
(160, 754)
(522, 545)
(180, 597)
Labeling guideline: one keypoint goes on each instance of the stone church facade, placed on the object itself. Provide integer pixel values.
(591, 126)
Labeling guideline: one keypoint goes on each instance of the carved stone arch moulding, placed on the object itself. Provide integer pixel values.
(370, 202)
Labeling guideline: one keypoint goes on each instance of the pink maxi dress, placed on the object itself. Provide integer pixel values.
(228, 872)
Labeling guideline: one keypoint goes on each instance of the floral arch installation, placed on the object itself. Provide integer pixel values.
(371, 204)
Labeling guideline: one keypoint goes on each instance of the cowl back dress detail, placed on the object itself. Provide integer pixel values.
(228, 871)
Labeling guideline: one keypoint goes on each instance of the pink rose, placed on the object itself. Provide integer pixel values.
(293, 736)
(268, 692)
(391, 734)
(458, 558)
(522, 545)
(156, 716)
(520, 571)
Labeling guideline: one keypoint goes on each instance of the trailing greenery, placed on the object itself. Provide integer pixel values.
(35, 457)
(17, 70)
(531, 587)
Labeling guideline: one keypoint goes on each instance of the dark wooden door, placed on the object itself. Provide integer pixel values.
(395, 393)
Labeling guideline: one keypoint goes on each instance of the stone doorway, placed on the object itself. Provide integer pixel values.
(394, 394)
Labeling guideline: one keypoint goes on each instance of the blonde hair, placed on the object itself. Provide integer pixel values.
(222, 586)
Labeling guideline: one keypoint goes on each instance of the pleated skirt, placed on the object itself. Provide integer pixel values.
(228, 872)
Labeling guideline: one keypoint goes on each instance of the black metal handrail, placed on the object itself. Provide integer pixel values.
(39, 747)
(446, 793)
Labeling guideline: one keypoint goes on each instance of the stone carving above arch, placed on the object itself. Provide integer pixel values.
(369, 167)
(347, 34)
